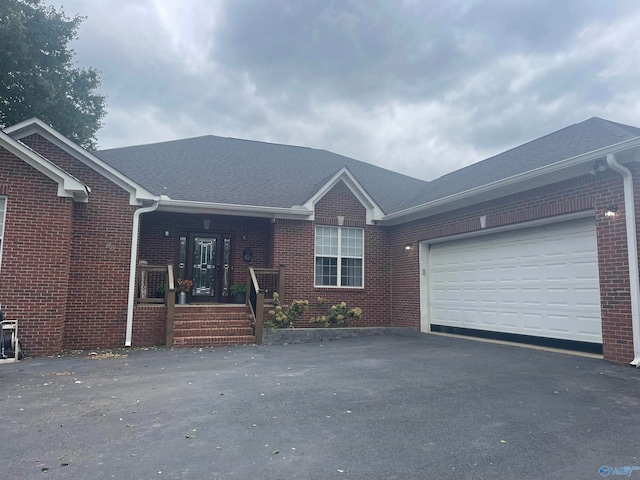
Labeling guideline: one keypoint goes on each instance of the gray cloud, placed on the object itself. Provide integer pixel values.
(422, 87)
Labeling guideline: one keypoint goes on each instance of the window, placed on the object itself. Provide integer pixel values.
(339, 257)
(3, 203)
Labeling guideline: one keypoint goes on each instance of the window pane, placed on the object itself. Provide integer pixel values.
(351, 272)
(327, 241)
(326, 271)
(351, 242)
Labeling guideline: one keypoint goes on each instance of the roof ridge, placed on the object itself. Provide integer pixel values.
(165, 142)
(626, 128)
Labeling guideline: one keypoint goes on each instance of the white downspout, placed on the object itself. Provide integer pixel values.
(632, 249)
(132, 268)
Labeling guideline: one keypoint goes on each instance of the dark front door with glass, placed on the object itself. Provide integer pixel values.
(204, 268)
(205, 259)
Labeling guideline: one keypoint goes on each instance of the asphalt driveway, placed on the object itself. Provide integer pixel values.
(397, 407)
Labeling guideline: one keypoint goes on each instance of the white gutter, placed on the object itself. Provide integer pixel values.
(132, 268)
(524, 178)
(632, 252)
(168, 205)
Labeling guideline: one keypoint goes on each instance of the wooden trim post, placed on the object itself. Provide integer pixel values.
(259, 317)
(281, 283)
(170, 296)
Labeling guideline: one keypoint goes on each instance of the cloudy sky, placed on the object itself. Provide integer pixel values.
(422, 87)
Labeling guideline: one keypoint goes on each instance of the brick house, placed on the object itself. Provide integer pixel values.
(537, 243)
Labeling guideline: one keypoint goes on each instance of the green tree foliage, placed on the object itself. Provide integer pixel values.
(37, 77)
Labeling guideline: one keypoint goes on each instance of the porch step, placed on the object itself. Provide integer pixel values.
(211, 325)
(212, 341)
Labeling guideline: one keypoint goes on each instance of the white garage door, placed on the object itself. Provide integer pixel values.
(540, 281)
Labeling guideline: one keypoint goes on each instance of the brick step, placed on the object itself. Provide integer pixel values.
(213, 332)
(210, 313)
(212, 341)
(211, 323)
(210, 308)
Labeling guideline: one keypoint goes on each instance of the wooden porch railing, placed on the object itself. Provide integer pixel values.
(261, 281)
(156, 284)
(152, 283)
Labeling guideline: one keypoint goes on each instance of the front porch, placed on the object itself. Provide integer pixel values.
(213, 251)
(202, 324)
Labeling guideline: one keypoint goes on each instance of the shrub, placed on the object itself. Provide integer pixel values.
(284, 317)
(337, 315)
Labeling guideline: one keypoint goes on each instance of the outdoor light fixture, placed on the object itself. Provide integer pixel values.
(599, 166)
(611, 211)
(166, 233)
(408, 247)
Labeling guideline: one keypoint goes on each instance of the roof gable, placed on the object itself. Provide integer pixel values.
(68, 185)
(35, 125)
(373, 211)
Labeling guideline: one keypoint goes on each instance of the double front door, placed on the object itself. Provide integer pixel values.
(205, 259)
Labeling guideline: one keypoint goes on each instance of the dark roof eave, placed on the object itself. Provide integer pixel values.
(548, 174)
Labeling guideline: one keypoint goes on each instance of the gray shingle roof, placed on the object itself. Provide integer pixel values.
(242, 172)
(569, 142)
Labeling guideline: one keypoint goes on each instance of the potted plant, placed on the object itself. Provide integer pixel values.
(183, 286)
(239, 292)
(160, 291)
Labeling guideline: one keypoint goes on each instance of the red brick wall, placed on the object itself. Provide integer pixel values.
(100, 254)
(583, 193)
(294, 247)
(150, 325)
(35, 255)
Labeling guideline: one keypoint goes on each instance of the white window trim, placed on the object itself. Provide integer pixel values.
(339, 257)
(4, 226)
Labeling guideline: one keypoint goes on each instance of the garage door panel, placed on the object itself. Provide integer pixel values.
(471, 295)
(509, 319)
(556, 297)
(586, 326)
(508, 274)
(532, 323)
(488, 295)
(531, 296)
(509, 296)
(584, 298)
(539, 281)
(488, 319)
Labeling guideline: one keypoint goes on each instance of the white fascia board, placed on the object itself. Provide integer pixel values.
(187, 206)
(68, 185)
(524, 181)
(137, 193)
(374, 212)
